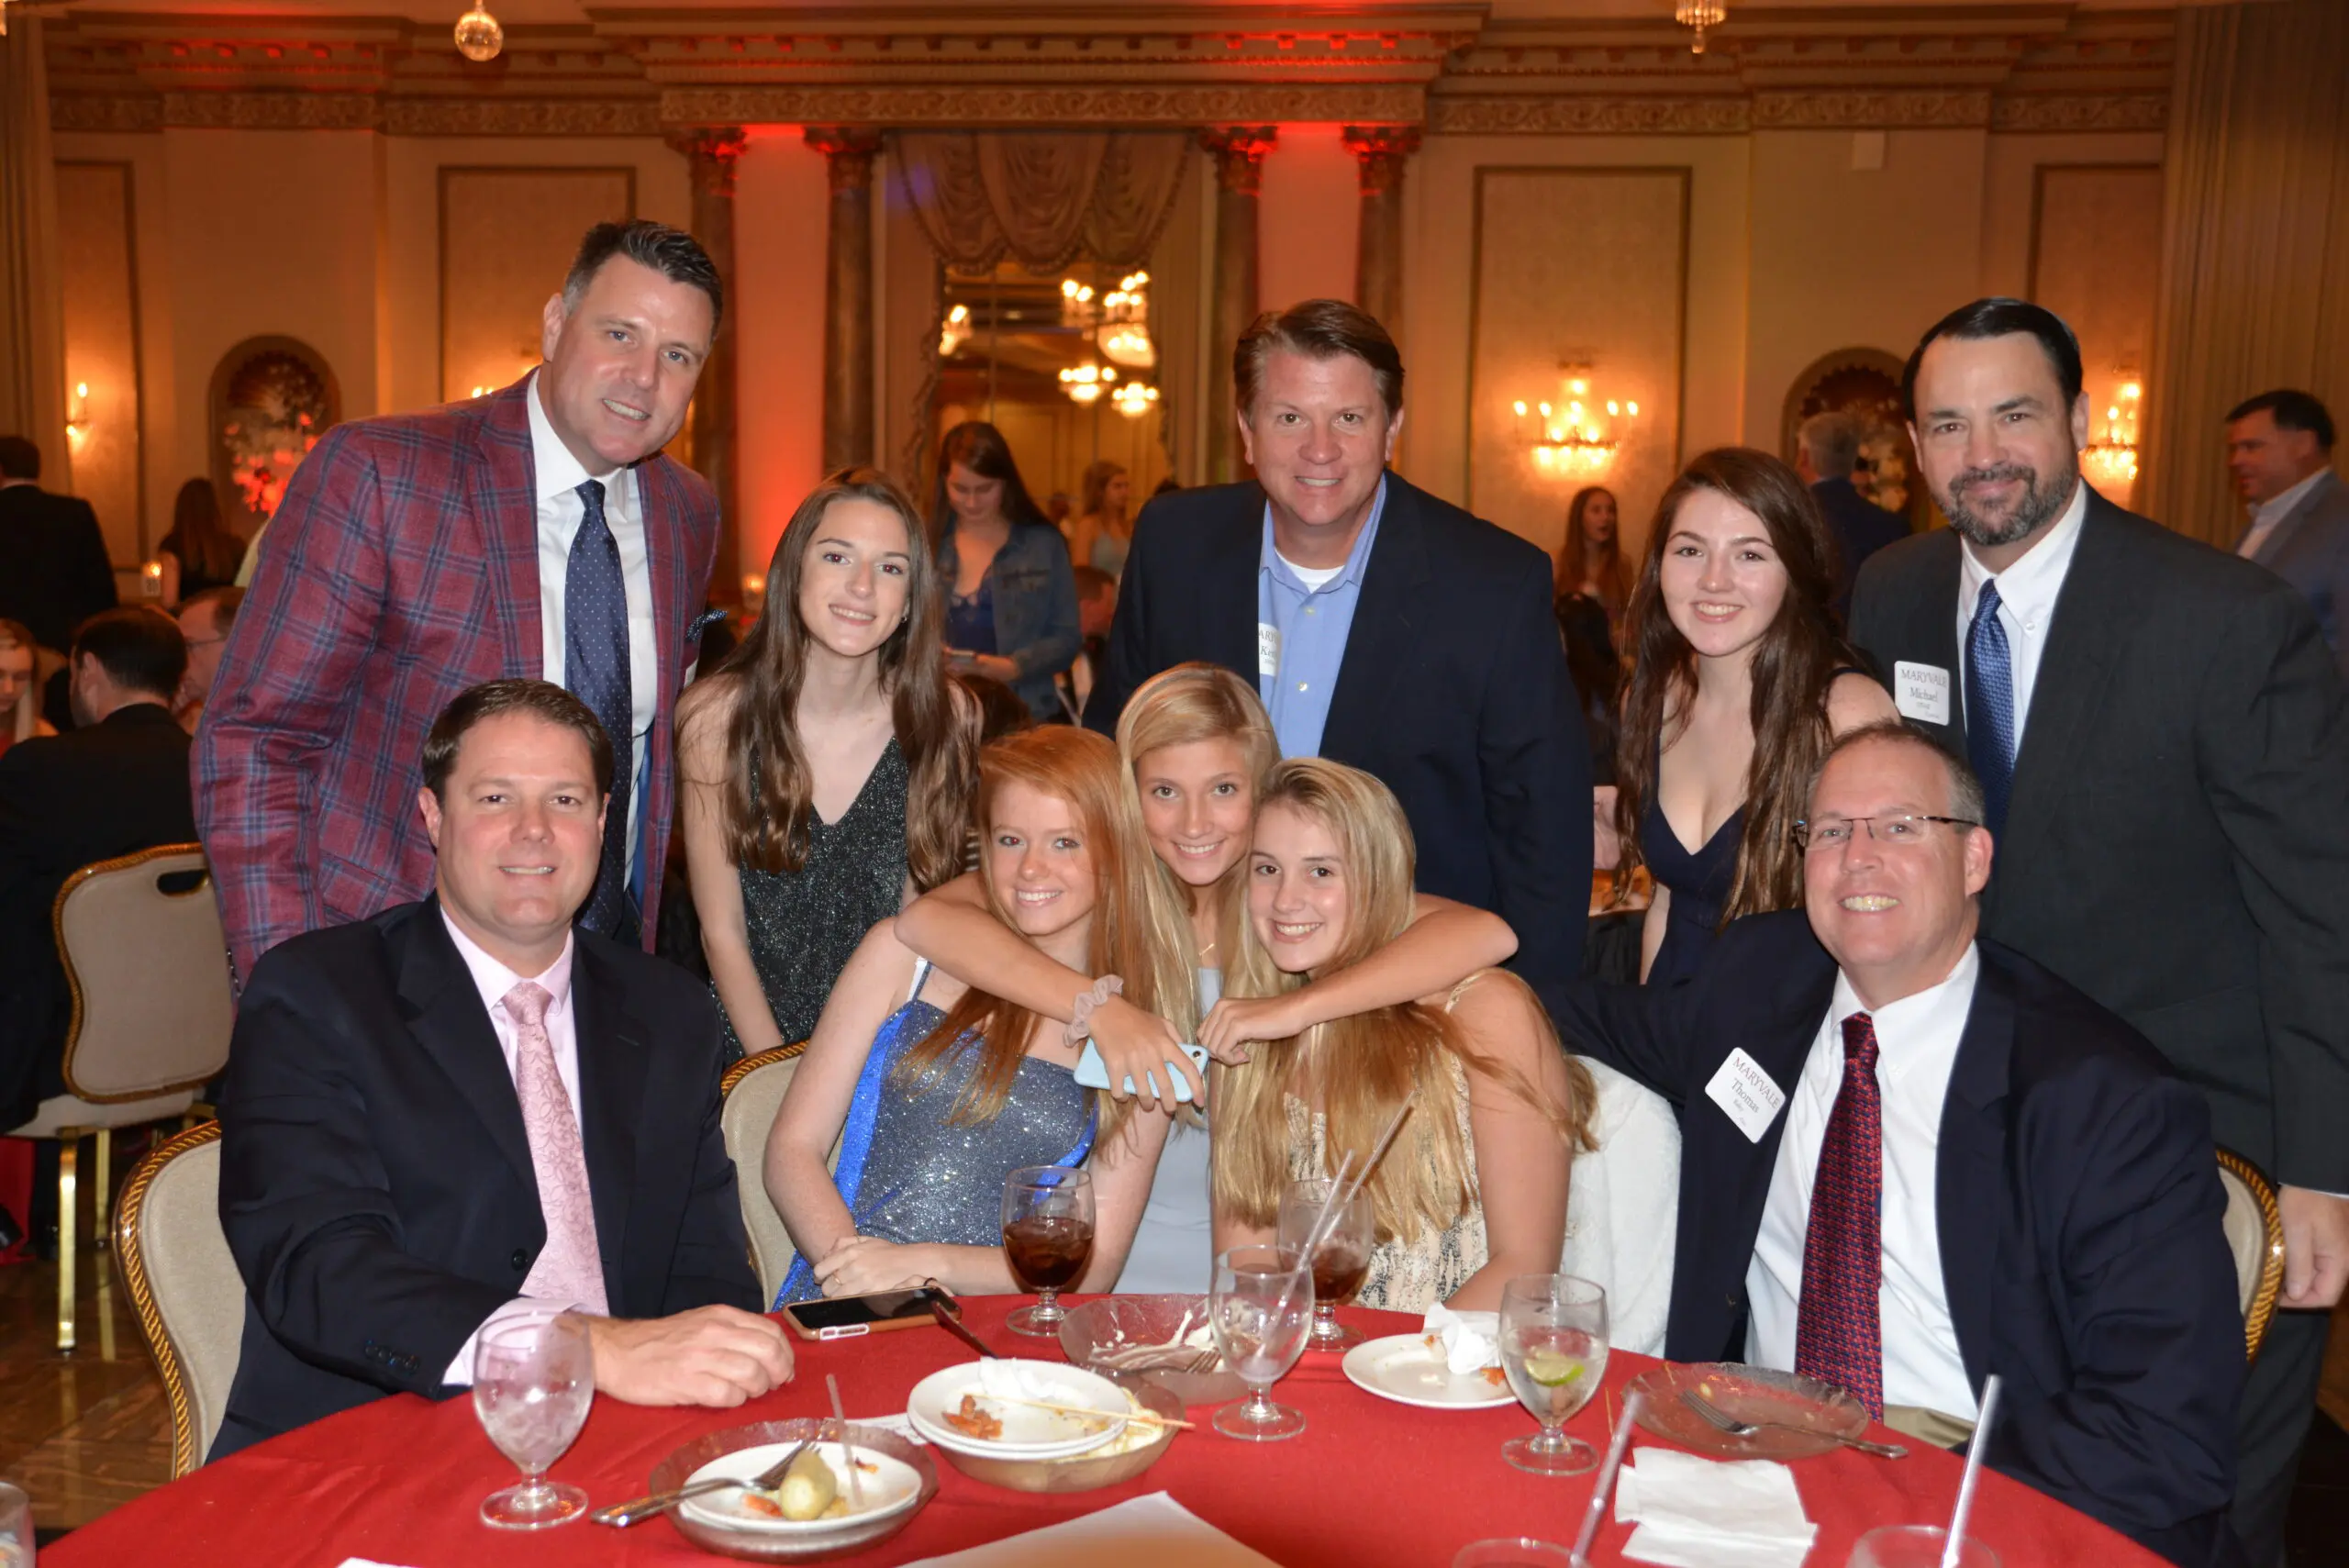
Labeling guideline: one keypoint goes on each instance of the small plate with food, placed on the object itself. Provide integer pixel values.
(1411, 1369)
(1803, 1416)
(1164, 1339)
(1018, 1409)
(801, 1520)
(1123, 1457)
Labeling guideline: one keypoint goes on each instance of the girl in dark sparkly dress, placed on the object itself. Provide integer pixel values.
(827, 766)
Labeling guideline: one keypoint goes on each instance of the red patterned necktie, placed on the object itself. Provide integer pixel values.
(1839, 1336)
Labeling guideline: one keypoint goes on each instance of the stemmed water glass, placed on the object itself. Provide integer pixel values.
(534, 1377)
(1340, 1264)
(1260, 1308)
(1553, 1346)
(16, 1527)
(1047, 1238)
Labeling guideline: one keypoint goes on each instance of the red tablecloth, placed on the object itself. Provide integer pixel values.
(1369, 1483)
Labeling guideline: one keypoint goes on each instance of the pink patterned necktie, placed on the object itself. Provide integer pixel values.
(569, 1267)
(1838, 1334)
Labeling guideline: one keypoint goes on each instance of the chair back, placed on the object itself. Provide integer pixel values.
(183, 1284)
(148, 969)
(2254, 1228)
(753, 1094)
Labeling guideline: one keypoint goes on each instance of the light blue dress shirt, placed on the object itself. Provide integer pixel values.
(1309, 627)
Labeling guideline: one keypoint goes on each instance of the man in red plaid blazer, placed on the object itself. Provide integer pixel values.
(534, 532)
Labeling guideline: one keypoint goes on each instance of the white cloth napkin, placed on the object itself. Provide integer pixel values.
(1155, 1531)
(1703, 1513)
(1471, 1339)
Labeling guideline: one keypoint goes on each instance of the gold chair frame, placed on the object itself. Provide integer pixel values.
(749, 1064)
(185, 1452)
(2271, 1271)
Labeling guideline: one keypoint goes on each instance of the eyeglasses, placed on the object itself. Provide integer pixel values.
(1903, 827)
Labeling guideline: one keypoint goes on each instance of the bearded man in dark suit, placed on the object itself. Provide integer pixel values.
(2164, 742)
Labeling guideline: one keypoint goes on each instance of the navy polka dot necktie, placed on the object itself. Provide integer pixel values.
(596, 668)
(1990, 708)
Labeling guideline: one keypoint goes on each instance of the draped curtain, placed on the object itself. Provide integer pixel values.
(1043, 198)
(32, 304)
(2255, 291)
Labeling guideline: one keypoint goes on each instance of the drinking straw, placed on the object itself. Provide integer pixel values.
(847, 1449)
(1323, 1223)
(1622, 1439)
(1956, 1544)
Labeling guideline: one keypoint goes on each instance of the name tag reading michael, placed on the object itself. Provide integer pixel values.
(1921, 692)
(1747, 1095)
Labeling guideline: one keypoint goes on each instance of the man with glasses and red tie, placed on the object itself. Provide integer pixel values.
(1912, 1158)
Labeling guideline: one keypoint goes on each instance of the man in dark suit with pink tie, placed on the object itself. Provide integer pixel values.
(536, 532)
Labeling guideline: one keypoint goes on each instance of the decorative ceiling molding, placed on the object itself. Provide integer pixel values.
(1870, 111)
(522, 116)
(2081, 111)
(1495, 114)
(996, 105)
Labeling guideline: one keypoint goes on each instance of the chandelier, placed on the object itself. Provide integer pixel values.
(1134, 398)
(2112, 457)
(479, 37)
(1571, 438)
(1085, 383)
(1700, 15)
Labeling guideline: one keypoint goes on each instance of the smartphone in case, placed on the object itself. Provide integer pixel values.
(1092, 1073)
(849, 1317)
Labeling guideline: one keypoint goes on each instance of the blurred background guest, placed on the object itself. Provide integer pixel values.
(1104, 528)
(19, 692)
(2279, 448)
(1097, 609)
(1590, 559)
(1740, 679)
(204, 620)
(827, 766)
(1011, 604)
(200, 553)
(1826, 451)
(54, 573)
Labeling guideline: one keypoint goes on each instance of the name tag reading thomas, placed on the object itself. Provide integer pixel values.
(1921, 692)
(1746, 1095)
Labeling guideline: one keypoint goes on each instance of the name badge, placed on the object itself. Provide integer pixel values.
(1747, 1095)
(1268, 648)
(1921, 692)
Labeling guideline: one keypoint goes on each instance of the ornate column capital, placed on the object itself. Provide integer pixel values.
(711, 151)
(1239, 154)
(1379, 151)
(848, 153)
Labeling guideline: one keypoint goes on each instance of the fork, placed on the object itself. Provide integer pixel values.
(620, 1516)
(1737, 1429)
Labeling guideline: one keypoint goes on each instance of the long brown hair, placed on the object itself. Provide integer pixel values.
(1578, 561)
(766, 816)
(980, 447)
(1080, 768)
(17, 721)
(1793, 667)
(1358, 1069)
(199, 538)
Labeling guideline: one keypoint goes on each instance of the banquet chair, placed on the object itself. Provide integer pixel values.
(183, 1286)
(754, 1089)
(2255, 1230)
(148, 968)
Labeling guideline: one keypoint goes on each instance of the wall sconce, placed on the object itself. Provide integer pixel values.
(2112, 457)
(77, 412)
(954, 331)
(754, 593)
(150, 580)
(1572, 438)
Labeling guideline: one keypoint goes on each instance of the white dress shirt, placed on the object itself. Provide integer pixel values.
(1916, 1048)
(493, 980)
(560, 511)
(2027, 591)
(2274, 510)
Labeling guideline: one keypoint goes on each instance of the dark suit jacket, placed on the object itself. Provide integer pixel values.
(375, 1180)
(2077, 1197)
(1454, 691)
(2176, 843)
(1861, 529)
(2310, 550)
(66, 802)
(53, 567)
(402, 568)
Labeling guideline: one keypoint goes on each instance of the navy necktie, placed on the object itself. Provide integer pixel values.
(1990, 706)
(596, 668)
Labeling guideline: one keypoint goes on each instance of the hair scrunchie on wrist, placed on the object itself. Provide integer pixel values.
(1080, 1019)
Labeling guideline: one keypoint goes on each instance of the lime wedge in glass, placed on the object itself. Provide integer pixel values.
(1550, 1369)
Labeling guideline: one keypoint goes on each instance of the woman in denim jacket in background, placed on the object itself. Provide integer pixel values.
(1011, 604)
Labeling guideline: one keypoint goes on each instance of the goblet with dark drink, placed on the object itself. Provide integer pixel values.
(1340, 1264)
(1047, 1238)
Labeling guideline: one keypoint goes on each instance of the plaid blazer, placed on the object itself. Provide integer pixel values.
(402, 567)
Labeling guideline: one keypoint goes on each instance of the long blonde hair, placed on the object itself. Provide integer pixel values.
(1179, 706)
(1079, 768)
(1357, 1069)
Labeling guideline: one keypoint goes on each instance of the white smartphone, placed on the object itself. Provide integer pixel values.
(1092, 1073)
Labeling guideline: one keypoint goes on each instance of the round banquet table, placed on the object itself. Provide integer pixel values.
(1370, 1481)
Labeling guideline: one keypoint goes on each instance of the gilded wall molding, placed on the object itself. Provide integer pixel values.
(2081, 111)
(1559, 115)
(273, 111)
(1871, 110)
(522, 116)
(1007, 105)
(99, 113)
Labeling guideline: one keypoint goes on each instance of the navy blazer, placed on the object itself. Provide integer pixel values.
(1454, 691)
(2308, 548)
(375, 1178)
(1860, 528)
(2077, 1197)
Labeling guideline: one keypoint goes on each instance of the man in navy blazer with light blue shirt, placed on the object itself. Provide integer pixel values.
(1912, 1158)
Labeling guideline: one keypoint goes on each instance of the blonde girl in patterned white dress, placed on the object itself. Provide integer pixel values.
(1491, 1094)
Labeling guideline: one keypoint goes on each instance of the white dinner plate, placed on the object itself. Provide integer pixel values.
(1402, 1368)
(1028, 1432)
(890, 1486)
